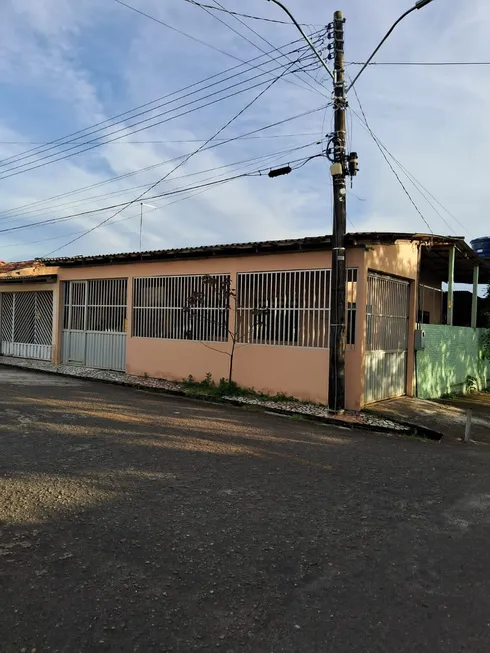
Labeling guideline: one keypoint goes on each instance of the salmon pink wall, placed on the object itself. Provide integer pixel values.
(299, 371)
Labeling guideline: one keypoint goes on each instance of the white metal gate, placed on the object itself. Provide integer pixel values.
(27, 324)
(94, 323)
(386, 338)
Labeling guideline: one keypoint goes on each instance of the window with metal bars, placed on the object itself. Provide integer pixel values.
(97, 305)
(289, 308)
(190, 307)
(351, 305)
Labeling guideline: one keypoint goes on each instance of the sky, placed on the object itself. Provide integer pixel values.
(66, 66)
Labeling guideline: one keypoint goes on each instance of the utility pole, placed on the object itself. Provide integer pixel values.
(343, 165)
(340, 168)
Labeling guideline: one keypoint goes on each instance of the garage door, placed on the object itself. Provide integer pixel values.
(27, 324)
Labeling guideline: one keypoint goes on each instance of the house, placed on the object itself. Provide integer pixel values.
(168, 313)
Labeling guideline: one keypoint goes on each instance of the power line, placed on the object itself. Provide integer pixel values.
(44, 160)
(158, 165)
(167, 142)
(418, 185)
(200, 148)
(123, 205)
(191, 194)
(389, 163)
(220, 7)
(236, 13)
(419, 63)
(104, 125)
(55, 207)
(184, 33)
(175, 29)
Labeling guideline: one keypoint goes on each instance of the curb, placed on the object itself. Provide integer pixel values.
(418, 429)
(411, 429)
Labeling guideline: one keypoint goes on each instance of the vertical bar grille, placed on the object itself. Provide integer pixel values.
(289, 308)
(98, 305)
(190, 307)
(351, 304)
(387, 314)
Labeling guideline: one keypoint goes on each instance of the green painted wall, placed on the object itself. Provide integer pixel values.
(451, 355)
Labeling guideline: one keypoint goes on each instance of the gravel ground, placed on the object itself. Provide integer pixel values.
(349, 419)
(138, 522)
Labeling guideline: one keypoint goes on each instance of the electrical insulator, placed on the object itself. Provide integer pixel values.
(353, 164)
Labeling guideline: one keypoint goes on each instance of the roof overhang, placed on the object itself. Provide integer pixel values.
(311, 243)
(40, 278)
(435, 261)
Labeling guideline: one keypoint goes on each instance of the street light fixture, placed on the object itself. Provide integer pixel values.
(305, 36)
(418, 5)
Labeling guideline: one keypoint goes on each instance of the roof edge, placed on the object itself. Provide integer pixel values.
(309, 243)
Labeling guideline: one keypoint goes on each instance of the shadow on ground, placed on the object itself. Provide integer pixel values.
(135, 522)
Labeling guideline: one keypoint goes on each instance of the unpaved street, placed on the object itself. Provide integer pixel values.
(131, 521)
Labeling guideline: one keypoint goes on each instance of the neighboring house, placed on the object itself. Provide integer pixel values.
(27, 289)
(130, 311)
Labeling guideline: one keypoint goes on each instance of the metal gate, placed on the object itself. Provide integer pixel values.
(27, 324)
(94, 323)
(386, 338)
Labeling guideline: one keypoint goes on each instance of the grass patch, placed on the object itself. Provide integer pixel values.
(225, 388)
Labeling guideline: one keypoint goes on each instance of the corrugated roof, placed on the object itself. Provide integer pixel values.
(309, 243)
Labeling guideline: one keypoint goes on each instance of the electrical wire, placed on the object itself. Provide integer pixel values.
(416, 183)
(191, 192)
(103, 125)
(419, 63)
(73, 216)
(236, 13)
(389, 163)
(44, 161)
(220, 7)
(183, 33)
(255, 159)
(167, 142)
(215, 135)
(158, 165)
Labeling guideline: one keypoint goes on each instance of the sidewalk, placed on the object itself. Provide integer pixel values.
(444, 416)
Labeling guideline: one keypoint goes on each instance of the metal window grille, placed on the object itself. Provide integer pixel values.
(387, 314)
(430, 305)
(190, 307)
(290, 308)
(351, 291)
(97, 305)
(7, 325)
(27, 317)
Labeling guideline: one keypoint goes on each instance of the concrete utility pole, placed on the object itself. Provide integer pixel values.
(339, 171)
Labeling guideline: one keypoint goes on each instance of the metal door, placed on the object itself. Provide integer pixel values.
(386, 338)
(94, 323)
(26, 328)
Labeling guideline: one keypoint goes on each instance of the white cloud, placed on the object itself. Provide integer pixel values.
(78, 63)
